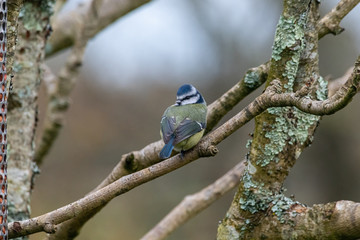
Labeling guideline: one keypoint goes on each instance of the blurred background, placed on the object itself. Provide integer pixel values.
(130, 75)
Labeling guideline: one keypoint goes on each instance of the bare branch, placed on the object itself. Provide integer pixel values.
(253, 78)
(66, 25)
(195, 203)
(329, 106)
(206, 148)
(330, 23)
(336, 220)
(59, 87)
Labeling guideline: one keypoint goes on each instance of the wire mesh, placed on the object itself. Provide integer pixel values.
(3, 131)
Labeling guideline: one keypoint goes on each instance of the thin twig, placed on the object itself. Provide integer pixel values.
(62, 85)
(330, 23)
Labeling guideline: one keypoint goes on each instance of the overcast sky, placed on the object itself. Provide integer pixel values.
(164, 40)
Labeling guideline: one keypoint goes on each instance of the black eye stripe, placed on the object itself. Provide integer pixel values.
(188, 97)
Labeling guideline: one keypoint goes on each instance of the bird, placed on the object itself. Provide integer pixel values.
(182, 124)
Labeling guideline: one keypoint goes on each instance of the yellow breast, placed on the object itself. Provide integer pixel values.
(189, 142)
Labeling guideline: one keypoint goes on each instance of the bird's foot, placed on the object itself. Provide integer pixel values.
(182, 154)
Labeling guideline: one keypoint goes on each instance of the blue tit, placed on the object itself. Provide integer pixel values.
(183, 123)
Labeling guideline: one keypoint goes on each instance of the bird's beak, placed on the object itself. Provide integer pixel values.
(178, 102)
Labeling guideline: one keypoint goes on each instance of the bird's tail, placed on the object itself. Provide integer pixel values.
(167, 149)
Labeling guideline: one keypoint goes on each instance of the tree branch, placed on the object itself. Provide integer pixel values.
(195, 203)
(59, 87)
(206, 148)
(330, 23)
(336, 220)
(329, 106)
(66, 24)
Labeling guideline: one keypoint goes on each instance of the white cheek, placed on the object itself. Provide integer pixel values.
(187, 101)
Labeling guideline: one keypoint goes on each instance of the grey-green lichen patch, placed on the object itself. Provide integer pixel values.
(289, 34)
(291, 127)
(254, 198)
(252, 79)
(248, 143)
(281, 206)
(247, 226)
(15, 214)
(17, 67)
(35, 14)
(291, 68)
(322, 90)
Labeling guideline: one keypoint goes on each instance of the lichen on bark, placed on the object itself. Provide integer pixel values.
(33, 30)
(281, 133)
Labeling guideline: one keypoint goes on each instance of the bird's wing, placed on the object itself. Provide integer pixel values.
(167, 128)
(186, 129)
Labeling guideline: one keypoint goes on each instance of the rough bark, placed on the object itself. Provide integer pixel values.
(22, 108)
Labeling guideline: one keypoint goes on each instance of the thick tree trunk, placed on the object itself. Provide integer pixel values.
(22, 110)
(281, 133)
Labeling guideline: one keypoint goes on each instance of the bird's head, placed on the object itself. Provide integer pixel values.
(188, 94)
